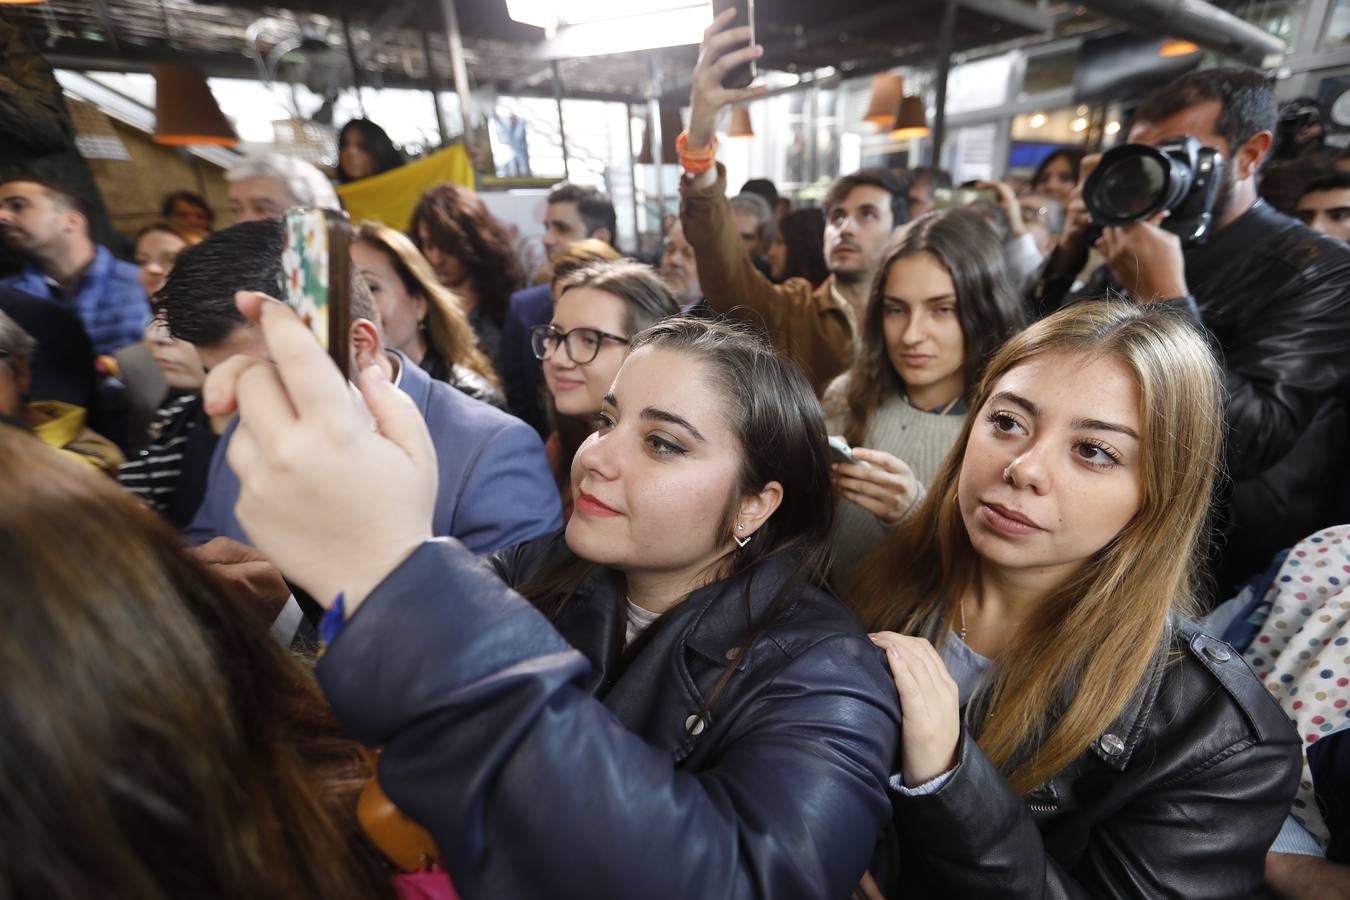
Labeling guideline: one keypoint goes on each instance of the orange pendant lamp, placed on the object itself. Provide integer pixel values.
(911, 121)
(888, 89)
(186, 114)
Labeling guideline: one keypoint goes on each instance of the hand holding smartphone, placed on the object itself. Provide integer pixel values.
(741, 76)
(316, 277)
(841, 452)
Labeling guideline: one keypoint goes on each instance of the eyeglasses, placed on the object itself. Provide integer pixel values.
(582, 344)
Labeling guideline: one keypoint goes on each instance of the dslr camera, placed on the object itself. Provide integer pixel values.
(1135, 181)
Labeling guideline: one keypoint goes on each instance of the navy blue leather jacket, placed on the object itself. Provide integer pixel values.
(548, 761)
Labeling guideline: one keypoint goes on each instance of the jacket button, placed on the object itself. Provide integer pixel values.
(1217, 652)
(694, 726)
(1112, 744)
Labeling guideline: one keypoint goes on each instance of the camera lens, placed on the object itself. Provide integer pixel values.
(1128, 188)
(1133, 182)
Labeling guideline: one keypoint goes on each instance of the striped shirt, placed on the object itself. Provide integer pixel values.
(170, 473)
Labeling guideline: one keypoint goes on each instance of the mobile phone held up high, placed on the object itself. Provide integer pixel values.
(742, 75)
(316, 277)
(953, 198)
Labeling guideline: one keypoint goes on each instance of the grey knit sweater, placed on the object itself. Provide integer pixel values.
(921, 439)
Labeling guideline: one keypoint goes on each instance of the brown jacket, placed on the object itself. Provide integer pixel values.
(807, 324)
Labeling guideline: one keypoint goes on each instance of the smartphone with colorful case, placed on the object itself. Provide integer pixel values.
(316, 276)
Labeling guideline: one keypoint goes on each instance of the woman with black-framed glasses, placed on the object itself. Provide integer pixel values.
(598, 308)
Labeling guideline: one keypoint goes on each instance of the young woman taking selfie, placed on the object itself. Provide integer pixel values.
(1067, 732)
(676, 711)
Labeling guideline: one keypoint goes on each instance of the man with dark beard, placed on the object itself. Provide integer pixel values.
(1274, 296)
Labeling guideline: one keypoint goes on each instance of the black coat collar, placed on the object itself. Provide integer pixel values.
(657, 686)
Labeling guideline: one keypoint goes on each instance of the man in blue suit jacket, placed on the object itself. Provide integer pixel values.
(495, 487)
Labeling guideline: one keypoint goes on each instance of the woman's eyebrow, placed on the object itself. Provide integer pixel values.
(657, 414)
(1099, 425)
(1017, 400)
(661, 415)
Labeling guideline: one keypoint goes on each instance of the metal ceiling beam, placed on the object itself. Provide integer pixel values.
(1198, 21)
(1014, 13)
(97, 56)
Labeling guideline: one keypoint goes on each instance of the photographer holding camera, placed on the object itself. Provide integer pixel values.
(1176, 216)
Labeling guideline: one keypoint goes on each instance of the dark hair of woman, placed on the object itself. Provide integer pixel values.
(780, 428)
(803, 235)
(171, 200)
(377, 145)
(158, 742)
(1073, 155)
(646, 299)
(459, 224)
(987, 305)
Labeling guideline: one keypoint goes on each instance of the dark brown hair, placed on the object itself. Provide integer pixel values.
(593, 206)
(986, 304)
(1073, 155)
(460, 225)
(885, 179)
(1246, 102)
(188, 197)
(158, 743)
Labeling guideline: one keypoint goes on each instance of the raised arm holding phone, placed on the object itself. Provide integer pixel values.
(815, 326)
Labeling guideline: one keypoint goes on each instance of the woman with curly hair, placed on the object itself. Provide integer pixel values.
(471, 254)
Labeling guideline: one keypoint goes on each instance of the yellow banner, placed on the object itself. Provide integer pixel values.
(391, 196)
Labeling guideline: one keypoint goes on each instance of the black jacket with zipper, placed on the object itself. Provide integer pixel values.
(548, 760)
(1180, 797)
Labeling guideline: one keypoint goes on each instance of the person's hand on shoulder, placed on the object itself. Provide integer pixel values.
(930, 725)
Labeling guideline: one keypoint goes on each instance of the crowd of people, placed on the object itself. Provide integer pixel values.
(902, 546)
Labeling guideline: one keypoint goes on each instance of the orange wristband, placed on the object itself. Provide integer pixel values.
(695, 161)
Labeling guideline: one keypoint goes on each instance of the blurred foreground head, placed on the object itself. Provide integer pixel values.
(156, 741)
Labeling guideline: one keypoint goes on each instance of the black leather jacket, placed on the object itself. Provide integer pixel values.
(1275, 297)
(1180, 797)
(550, 762)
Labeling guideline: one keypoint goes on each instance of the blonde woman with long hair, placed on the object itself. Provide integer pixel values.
(1067, 731)
(420, 317)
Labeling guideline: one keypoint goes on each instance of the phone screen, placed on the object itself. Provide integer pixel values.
(316, 273)
(953, 198)
(744, 74)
